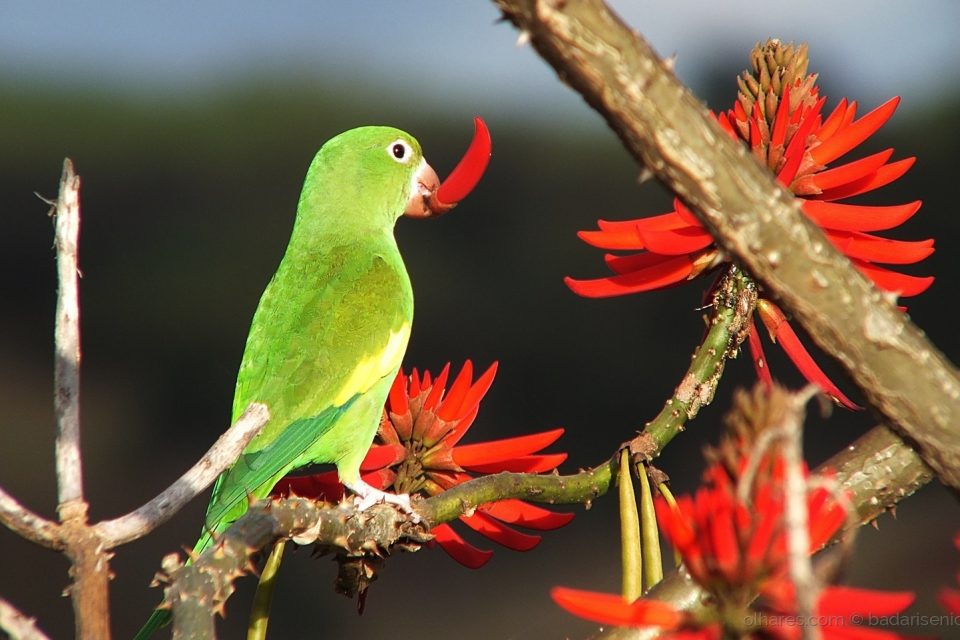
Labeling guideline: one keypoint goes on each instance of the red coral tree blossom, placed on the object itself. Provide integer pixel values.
(732, 537)
(778, 115)
(418, 450)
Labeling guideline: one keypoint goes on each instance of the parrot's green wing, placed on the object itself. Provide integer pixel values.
(311, 354)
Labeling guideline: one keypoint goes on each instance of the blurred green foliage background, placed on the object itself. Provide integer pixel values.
(188, 195)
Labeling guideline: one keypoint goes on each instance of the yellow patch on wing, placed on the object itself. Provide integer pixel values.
(374, 367)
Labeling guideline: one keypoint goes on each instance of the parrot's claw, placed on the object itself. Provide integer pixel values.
(368, 496)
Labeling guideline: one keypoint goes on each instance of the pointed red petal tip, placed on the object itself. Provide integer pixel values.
(611, 608)
(468, 171)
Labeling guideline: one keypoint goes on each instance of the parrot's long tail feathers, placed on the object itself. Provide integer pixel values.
(159, 618)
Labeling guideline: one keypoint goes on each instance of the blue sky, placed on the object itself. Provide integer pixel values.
(441, 49)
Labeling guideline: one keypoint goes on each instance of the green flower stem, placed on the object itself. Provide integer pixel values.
(580, 487)
(630, 552)
(263, 598)
(649, 532)
(733, 303)
(672, 502)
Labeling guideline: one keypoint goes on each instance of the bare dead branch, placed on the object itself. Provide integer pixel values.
(670, 132)
(27, 524)
(221, 455)
(17, 625)
(67, 340)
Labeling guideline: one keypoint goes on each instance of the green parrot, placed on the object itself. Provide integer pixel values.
(329, 334)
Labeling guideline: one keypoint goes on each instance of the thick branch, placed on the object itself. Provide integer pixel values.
(67, 340)
(221, 455)
(668, 130)
(17, 625)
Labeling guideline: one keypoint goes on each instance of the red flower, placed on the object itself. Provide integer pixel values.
(778, 115)
(732, 537)
(417, 451)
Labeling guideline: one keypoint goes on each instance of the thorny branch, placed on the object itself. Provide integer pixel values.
(670, 132)
(877, 470)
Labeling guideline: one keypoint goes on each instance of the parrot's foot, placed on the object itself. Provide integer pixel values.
(368, 496)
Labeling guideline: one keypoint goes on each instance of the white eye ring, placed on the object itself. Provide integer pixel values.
(400, 151)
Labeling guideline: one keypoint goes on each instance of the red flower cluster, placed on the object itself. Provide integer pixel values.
(417, 450)
(733, 540)
(778, 115)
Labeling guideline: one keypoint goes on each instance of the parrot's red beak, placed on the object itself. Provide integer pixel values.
(433, 197)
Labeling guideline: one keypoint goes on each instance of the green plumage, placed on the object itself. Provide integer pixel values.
(329, 333)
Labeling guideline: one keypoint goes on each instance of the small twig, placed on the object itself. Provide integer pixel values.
(221, 455)
(795, 515)
(67, 339)
(27, 524)
(17, 625)
(734, 299)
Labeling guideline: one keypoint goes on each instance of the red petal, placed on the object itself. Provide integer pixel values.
(459, 549)
(522, 464)
(499, 532)
(723, 540)
(414, 390)
(498, 450)
(398, 393)
(634, 261)
(796, 150)
(852, 171)
(781, 331)
(460, 427)
(383, 455)
(479, 389)
(847, 601)
(883, 176)
(884, 250)
(663, 273)
(469, 170)
(848, 137)
(450, 407)
(759, 359)
(438, 387)
(609, 608)
(685, 214)
(853, 217)
(663, 222)
(678, 242)
(527, 515)
(902, 284)
(779, 134)
(833, 121)
(614, 239)
(950, 600)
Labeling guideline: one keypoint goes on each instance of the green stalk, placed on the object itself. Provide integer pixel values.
(649, 533)
(263, 598)
(630, 553)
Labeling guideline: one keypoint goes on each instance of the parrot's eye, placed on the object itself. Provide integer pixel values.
(400, 151)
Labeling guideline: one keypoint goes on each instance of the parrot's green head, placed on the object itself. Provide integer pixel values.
(366, 178)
